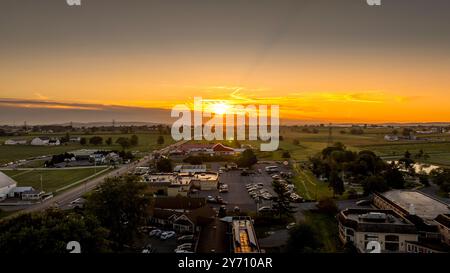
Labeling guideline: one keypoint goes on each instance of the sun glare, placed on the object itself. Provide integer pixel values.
(219, 108)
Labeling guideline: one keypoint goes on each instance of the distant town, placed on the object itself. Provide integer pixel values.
(328, 188)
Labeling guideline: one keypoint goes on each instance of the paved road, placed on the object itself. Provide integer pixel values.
(64, 198)
(433, 191)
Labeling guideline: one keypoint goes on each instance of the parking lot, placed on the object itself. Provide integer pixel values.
(161, 246)
(237, 194)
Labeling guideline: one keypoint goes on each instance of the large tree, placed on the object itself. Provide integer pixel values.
(134, 140)
(336, 183)
(247, 159)
(164, 165)
(50, 231)
(303, 239)
(124, 142)
(374, 183)
(282, 204)
(121, 205)
(441, 177)
(96, 140)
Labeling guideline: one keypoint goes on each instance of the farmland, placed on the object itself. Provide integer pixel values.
(52, 179)
(8, 153)
(437, 146)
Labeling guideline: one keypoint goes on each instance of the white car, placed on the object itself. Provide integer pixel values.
(167, 235)
(265, 209)
(291, 225)
(155, 232)
(186, 246)
(185, 238)
(182, 251)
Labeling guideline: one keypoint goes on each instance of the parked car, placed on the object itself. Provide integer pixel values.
(155, 232)
(291, 225)
(186, 246)
(265, 209)
(167, 235)
(219, 200)
(182, 251)
(185, 238)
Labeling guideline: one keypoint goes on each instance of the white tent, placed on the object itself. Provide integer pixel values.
(7, 184)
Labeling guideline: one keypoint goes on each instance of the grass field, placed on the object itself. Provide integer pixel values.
(51, 179)
(308, 186)
(438, 147)
(439, 152)
(8, 153)
(327, 229)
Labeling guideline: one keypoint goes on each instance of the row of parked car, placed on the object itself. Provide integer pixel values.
(258, 191)
(163, 235)
(216, 200)
(289, 189)
(186, 244)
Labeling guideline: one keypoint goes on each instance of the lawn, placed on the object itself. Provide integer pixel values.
(327, 229)
(5, 213)
(8, 153)
(437, 148)
(51, 179)
(439, 152)
(308, 186)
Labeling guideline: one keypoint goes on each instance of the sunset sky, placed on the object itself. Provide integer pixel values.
(321, 61)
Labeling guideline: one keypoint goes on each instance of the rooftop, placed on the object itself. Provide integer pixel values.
(423, 205)
(179, 202)
(6, 181)
(185, 168)
(244, 236)
(375, 220)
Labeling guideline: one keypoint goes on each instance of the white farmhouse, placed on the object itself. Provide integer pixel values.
(16, 142)
(40, 141)
(391, 138)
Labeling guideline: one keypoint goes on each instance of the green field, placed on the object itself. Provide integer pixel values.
(51, 179)
(308, 186)
(8, 153)
(438, 147)
(327, 230)
(439, 152)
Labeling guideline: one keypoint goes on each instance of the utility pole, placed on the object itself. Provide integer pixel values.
(330, 135)
(42, 188)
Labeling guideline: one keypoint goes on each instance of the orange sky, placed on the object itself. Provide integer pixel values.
(351, 88)
(339, 62)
